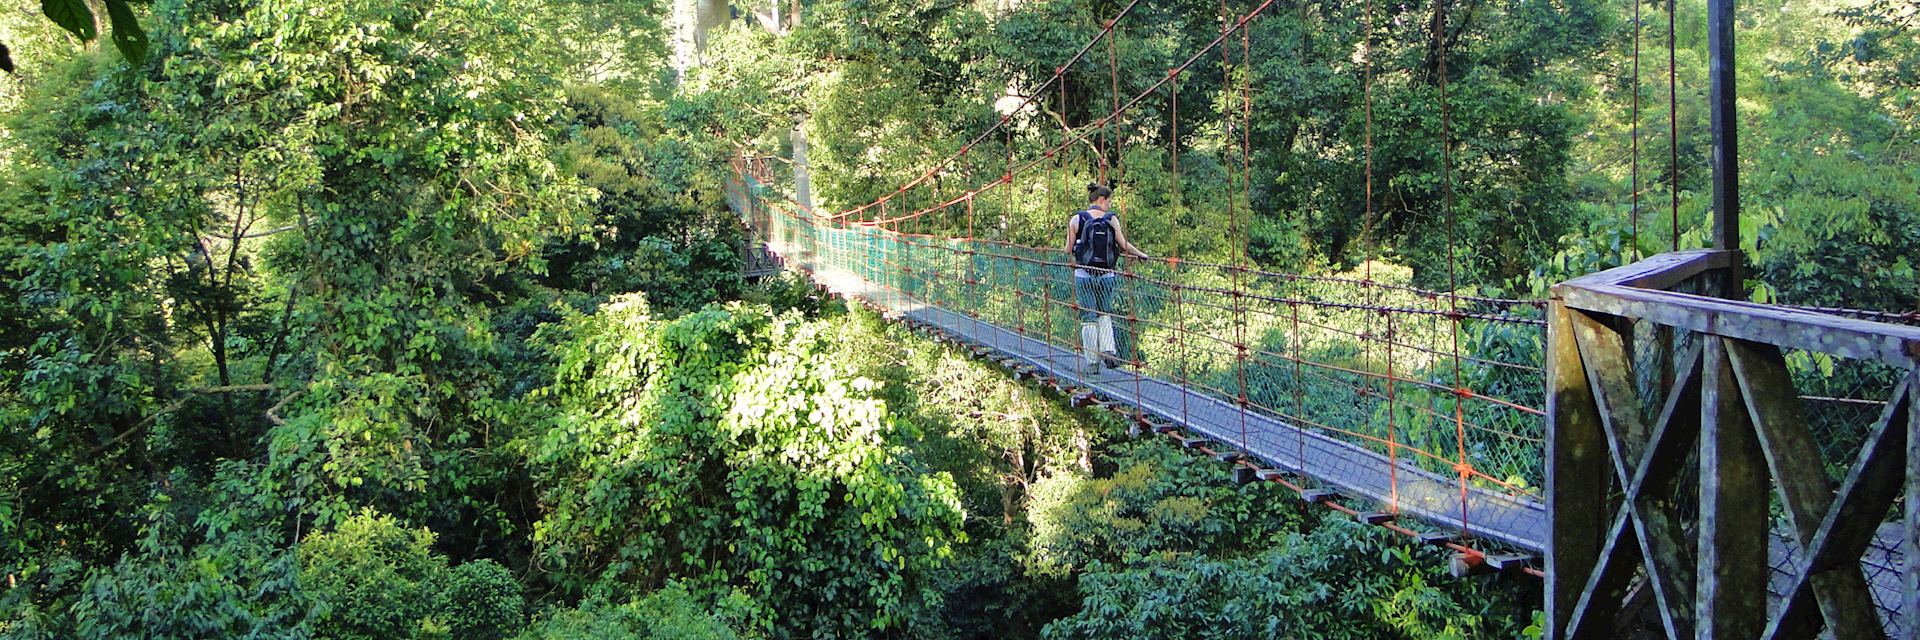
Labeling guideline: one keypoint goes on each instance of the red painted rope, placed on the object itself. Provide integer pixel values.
(1104, 120)
(1058, 73)
(1633, 210)
(1673, 127)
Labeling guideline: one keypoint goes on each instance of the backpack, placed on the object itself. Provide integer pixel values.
(1095, 246)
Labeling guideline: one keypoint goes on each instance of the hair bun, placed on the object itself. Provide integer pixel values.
(1096, 191)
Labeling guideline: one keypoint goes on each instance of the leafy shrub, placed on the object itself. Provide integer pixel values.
(1339, 580)
(240, 586)
(790, 291)
(672, 613)
(372, 578)
(729, 448)
(482, 600)
(1161, 500)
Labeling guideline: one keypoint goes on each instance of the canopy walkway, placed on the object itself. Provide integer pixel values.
(1637, 439)
(1376, 437)
(1007, 300)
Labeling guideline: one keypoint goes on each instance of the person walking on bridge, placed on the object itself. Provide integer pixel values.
(1095, 240)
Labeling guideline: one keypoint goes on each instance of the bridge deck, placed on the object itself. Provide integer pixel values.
(1355, 471)
(1398, 485)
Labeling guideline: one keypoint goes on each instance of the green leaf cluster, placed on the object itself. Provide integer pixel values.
(1168, 547)
(670, 613)
(372, 577)
(728, 448)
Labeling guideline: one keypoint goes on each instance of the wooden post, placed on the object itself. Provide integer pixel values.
(1578, 477)
(1910, 596)
(1725, 122)
(1733, 572)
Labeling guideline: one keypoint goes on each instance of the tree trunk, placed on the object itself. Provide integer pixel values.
(802, 173)
(693, 20)
(802, 180)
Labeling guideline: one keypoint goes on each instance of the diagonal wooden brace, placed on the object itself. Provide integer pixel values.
(1795, 460)
(1647, 464)
(1655, 474)
(1849, 526)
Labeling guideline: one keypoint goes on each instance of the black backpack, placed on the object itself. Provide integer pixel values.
(1095, 246)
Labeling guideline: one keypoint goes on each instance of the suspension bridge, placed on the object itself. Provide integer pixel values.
(1635, 439)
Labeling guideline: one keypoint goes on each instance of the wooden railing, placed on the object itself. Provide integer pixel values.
(757, 261)
(1672, 509)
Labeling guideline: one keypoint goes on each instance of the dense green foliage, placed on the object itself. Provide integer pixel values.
(347, 318)
(379, 580)
(1167, 547)
(730, 446)
(669, 613)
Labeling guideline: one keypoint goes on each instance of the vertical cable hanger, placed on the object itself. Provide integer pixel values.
(1228, 25)
(1673, 127)
(1173, 260)
(1633, 211)
(1367, 238)
(1453, 280)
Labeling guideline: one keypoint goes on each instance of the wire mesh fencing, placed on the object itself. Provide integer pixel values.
(1423, 402)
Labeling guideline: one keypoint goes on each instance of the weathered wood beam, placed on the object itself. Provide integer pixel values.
(1795, 460)
(1677, 429)
(1609, 369)
(1660, 271)
(1577, 478)
(1647, 465)
(1871, 485)
(1724, 121)
(1601, 596)
(1732, 573)
(1910, 596)
(1664, 543)
(1898, 345)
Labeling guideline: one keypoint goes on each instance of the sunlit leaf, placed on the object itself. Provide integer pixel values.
(72, 15)
(128, 37)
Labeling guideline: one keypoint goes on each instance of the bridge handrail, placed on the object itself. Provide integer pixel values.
(1830, 561)
(1636, 291)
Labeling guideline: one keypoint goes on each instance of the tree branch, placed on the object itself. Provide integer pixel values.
(257, 234)
(142, 424)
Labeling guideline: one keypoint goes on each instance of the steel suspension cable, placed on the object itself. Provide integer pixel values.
(1113, 131)
(1673, 126)
(1059, 163)
(1234, 232)
(1633, 210)
(1464, 469)
(1006, 223)
(1367, 237)
(1102, 122)
(1173, 259)
(1113, 73)
(1058, 75)
(973, 273)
